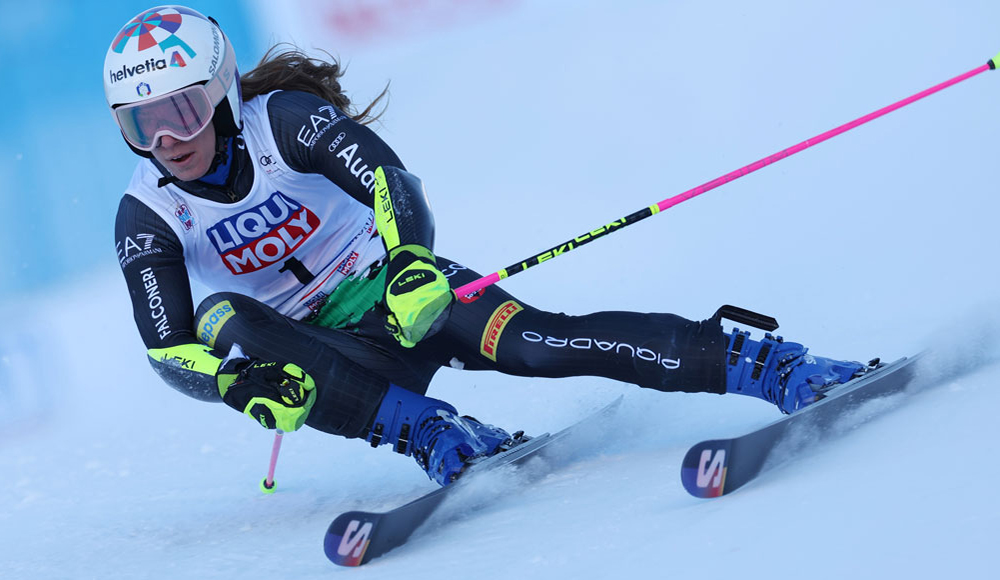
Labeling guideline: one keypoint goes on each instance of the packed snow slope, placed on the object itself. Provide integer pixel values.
(529, 126)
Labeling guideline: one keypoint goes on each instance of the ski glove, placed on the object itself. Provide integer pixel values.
(417, 295)
(279, 397)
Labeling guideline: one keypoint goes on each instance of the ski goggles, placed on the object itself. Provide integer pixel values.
(182, 114)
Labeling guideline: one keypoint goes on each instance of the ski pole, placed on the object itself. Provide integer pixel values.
(467, 293)
(268, 485)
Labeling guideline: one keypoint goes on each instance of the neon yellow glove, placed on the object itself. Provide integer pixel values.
(278, 396)
(417, 295)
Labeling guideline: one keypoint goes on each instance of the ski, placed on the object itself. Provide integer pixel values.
(356, 537)
(721, 466)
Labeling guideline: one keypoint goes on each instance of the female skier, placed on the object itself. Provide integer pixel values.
(331, 308)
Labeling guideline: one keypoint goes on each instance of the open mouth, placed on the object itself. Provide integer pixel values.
(181, 158)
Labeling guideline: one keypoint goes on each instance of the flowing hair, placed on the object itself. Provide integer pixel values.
(285, 67)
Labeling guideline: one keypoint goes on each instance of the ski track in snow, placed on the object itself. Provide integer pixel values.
(880, 242)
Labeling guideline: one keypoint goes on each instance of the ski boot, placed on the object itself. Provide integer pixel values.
(431, 432)
(782, 372)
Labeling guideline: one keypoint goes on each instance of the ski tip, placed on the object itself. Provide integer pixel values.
(348, 538)
(704, 469)
(993, 61)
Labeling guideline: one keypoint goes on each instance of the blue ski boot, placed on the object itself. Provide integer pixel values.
(782, 372)
(431, 431)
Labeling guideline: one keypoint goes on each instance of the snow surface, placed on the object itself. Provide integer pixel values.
(530, 127)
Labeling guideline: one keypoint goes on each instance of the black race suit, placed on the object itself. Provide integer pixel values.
(353, 366)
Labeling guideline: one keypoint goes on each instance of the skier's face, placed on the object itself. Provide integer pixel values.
(187, 160)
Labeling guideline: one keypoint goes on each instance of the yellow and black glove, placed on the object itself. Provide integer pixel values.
(277, 396)
(417, 295)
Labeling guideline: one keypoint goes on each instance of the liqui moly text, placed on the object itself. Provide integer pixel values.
(262, 235)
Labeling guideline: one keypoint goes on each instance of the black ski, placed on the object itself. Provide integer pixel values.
(357, 537)
(721, 466)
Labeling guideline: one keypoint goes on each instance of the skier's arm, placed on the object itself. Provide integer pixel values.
(417, 294)
(152, 261)
(315, 137)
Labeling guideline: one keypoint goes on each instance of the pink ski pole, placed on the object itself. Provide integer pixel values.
(268, 485)
(468, 292)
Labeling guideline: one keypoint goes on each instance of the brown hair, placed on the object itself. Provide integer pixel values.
(285, 67)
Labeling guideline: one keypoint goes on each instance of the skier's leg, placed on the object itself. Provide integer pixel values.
(658, 351)
(354, 396)
(652, 350)
(431, 431)
(348, 392)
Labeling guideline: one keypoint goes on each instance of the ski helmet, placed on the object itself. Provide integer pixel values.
(171, 70)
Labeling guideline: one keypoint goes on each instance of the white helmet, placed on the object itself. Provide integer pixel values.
(171, 70)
